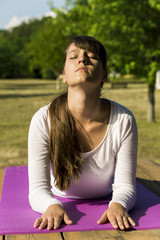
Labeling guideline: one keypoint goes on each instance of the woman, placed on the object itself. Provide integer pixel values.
(83, 146)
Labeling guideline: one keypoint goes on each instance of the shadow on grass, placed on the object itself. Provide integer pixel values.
(25, 86)
(6, 96)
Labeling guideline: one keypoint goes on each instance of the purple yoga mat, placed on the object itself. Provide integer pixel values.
(17, 217)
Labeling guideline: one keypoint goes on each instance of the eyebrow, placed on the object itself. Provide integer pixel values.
(75, 50)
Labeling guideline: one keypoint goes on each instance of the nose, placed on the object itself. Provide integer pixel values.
(83, 59)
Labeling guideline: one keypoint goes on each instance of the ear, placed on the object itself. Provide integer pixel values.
(64, 77)
(105, 78)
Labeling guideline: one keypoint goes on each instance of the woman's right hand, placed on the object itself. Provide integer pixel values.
(52, 218)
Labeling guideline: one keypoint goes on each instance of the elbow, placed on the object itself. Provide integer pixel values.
(31, 202)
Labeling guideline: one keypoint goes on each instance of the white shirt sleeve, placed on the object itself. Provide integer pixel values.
(40, 194)
(124, 186)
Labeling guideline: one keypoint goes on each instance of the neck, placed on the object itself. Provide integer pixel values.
(85, 106)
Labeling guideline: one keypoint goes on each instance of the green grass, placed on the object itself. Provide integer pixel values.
(20, 99)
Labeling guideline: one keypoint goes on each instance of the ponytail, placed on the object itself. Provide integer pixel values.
(64, 149)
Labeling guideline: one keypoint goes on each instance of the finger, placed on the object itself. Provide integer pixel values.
(126, 222)
(120, 223)
(37, 222)
(43, 223)
(131, 221)
(113, 221)
(67, 220)
(50, 223)
(103, 218)
(57, 222)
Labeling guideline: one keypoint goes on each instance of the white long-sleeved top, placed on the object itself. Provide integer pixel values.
(111, 166)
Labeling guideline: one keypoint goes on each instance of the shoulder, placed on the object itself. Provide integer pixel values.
(120, 109)
(42, 113)
(40, 125)
(123, 126)
(40, 120)
(121, 117)
(120, 113)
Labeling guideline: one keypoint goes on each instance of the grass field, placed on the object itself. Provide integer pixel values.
(20, 99)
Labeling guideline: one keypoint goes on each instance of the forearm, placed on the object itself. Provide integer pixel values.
(126, 196)
(40, 200)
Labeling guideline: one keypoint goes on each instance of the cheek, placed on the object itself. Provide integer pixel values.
(99, 71)
(68, 67)
(67, 72)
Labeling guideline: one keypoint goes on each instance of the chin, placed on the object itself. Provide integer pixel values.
(84, 80)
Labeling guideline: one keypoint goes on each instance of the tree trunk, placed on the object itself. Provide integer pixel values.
(58, 84)
(151, 103)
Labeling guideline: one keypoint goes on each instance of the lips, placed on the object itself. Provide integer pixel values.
(81, 69)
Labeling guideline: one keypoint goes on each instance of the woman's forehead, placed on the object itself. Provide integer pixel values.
(74, 48)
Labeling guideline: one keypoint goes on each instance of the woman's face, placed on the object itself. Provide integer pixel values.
(82, 67)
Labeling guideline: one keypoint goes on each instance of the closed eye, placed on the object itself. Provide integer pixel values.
(93, 57)
(73, 57)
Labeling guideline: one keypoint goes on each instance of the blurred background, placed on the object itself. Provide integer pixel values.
(33, 38)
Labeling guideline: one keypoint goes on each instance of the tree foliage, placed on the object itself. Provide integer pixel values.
(13, 60)
(130, 31)
(46, 48)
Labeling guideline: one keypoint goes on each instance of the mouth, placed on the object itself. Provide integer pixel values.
(81, 69)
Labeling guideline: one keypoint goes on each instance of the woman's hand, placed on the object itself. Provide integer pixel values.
(52, 218)
(118, 216)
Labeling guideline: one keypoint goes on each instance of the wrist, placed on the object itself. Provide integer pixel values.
(116, 204)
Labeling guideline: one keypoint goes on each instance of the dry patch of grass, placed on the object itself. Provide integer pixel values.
(19, 100)
(135, 98)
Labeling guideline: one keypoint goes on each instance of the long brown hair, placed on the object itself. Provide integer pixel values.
(64, 147)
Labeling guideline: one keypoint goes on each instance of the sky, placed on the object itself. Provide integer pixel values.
(14, 12)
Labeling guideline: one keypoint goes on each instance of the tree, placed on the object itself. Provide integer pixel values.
(46, 48)
(13, 59)
(131, 32)
(73, 3)
(154, 4)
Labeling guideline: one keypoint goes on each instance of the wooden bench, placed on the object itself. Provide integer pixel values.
(118, 85)
(148, 174)
(115, 85)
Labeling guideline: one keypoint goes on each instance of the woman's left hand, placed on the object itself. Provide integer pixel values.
(118, 216)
